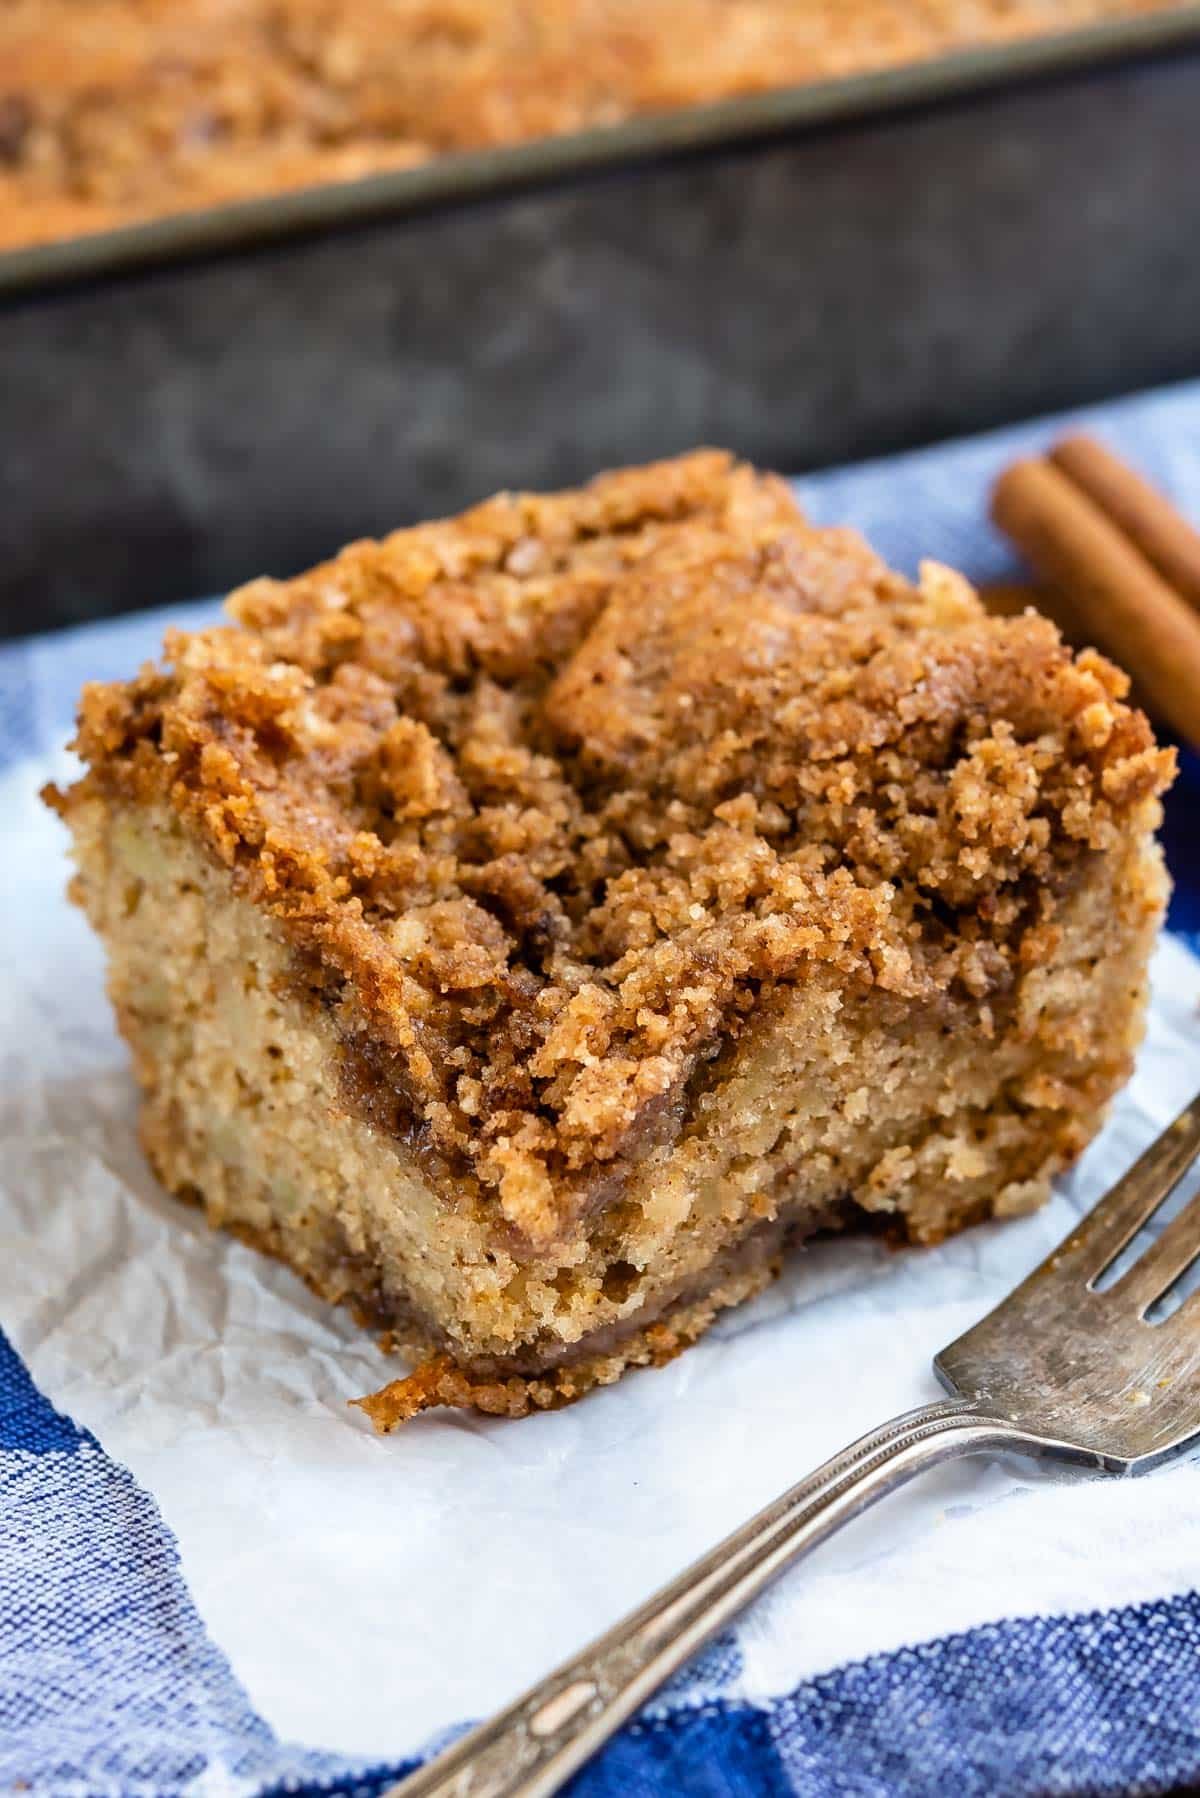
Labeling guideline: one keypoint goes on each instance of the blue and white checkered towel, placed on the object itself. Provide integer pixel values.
(214, 1581)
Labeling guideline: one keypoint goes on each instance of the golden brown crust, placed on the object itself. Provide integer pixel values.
(121, 109)
(551, 798)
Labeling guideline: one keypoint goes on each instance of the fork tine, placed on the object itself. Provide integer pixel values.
(1187, 1317)
(1136, 1196)
(1155, 1272)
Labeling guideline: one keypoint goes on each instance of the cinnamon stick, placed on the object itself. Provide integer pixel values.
(1125, 605)
(1151, 522)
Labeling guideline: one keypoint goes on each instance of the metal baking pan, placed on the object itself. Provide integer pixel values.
(815, 274)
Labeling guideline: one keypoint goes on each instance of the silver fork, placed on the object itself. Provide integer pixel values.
(1060, 1369)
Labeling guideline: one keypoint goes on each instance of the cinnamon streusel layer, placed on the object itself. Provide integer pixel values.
(530, 925)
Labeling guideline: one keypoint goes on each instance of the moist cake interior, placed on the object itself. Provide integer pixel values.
(528, 926)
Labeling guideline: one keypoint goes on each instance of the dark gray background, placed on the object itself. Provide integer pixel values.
(804, 300)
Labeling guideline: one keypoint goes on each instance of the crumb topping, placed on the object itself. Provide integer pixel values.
(112, 110)
(552, 798)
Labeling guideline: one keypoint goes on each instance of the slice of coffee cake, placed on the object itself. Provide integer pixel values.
(529, 925)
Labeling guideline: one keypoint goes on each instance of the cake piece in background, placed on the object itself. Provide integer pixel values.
(123, 110)
(529, 926)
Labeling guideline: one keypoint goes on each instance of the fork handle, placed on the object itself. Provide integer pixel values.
(528, 1750)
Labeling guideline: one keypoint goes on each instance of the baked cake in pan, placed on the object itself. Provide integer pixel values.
(530, 925)
(115, 110)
